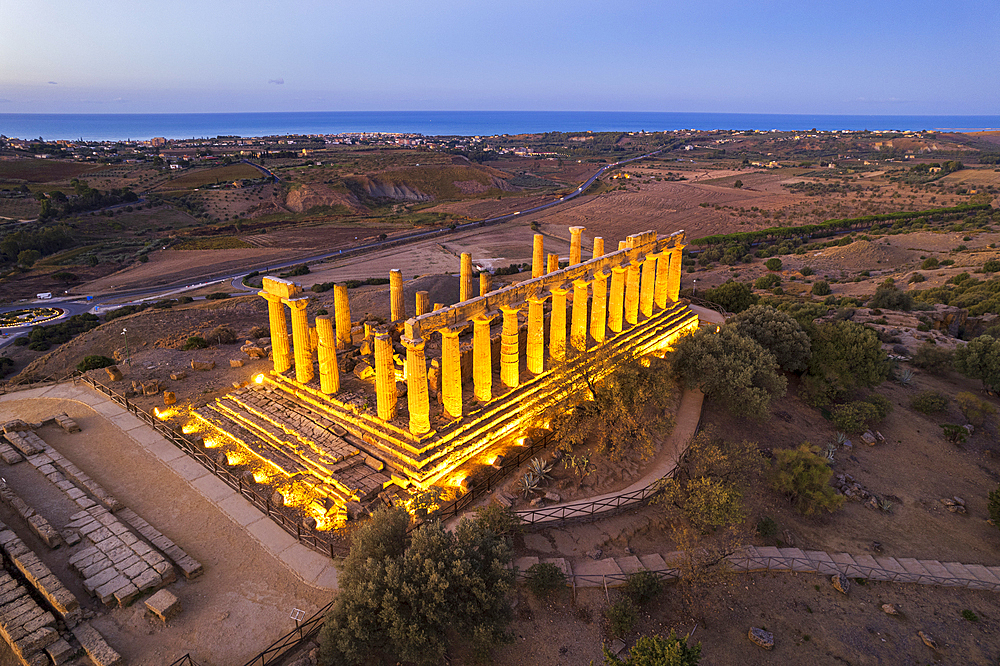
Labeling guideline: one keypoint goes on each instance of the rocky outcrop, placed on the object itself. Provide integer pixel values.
(304, 197)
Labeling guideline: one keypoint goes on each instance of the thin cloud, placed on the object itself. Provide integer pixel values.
(53, 83)
(277, 82)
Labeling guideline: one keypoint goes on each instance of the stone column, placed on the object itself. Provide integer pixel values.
(674, 281)
(329, 374)
(662, 279)
(465, 284)
(632, 293)
(300, 339)
(385, 376)
(485, 282)
(575, 250)
(510, 357)
(439, 306)
(557, 324)
(416, 380)
(279, 332)
(482, 357)
(599, 308)
(536, 335)
(646, 286)
(451, 372)
(538, 257)
(553, 263)
(617, 304)
(423, 303)
(397, 308)
(598, 247)
(342, 312)
(578, 326)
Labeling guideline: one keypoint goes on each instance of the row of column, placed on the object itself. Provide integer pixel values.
(635, 289)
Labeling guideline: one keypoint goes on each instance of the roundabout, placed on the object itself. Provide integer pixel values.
(29, 317)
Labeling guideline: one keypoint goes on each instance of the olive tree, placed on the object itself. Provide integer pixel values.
(980, 359)
(776, 332)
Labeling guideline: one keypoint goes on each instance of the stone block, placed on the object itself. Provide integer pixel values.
(36, 641)
(164, 605)
(66, 423)
(71, 537)
(147, 580)
(169, 397)
(44, 619)
(60, 652)
(235, 363)
(202, 365)
(106, 592)
(102, 578)
(126, 595)
(114, 374)
(177, 376)
(96, 647)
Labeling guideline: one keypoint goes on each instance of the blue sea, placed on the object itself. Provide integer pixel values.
(141, 126)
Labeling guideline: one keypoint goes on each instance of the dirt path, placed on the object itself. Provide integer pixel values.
(242, 601)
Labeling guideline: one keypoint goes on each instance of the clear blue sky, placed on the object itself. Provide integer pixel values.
(742, 56)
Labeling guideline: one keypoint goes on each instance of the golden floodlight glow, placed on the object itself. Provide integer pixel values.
(490, 460)
(189, 427)
(457, 480)
(211, 442)
(259, 379)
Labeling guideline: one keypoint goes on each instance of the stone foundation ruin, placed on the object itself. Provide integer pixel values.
(450, 384)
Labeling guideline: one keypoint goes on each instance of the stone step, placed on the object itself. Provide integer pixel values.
(984, 575)
(563, 565)
(868, 567)
(629, 564)
(890, 564)
(935, 569)
(822, 562)
(596, 570)
(522, 564)
(964, 576)
(796, 560)
(847, 565)
(653, 562)
(914, 567)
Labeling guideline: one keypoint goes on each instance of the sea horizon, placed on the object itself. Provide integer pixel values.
(180, 126)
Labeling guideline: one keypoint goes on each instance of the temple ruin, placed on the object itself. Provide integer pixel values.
(451, 384)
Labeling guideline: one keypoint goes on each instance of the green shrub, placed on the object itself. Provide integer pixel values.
(621, 617)
(821, 288)
(929, 402)
(970, 616)
(773, 264)
(854, 417)
(992, 266)
(658, 651)
(195, 342)
(930, 263)
(805, 271)
(643, 586)
(934, 359)
(955, 434)
(766, 527)
(804, 476)
(216, 296)
(544, 577)
(994, 507)
(732, 296)
(974, 409)
(94, 362)
(917, 277)
(767, 281)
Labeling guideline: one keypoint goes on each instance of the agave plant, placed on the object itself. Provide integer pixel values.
(830, 452)
(905, 377)
(528, 484)
(579, 464)
(841, 438)
(540, 469)
(885, 505)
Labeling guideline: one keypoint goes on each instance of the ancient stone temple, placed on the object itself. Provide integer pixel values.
(429, 393)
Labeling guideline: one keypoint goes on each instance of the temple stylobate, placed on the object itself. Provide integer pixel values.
(453, 382)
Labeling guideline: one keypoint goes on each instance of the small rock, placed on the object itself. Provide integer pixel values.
(761, 638)
(841, 583)
(617, 646)
(958, 508)
(235, 363)
(595, 554)
(552, 497)
(969, 428)
(958, 500)
(868, 438)
(872, 503)
(889, 609)
(537, 502)
(363, 371)
(789, 538)
(879, 436)
(202, 365)
(947, 502)
(876, 546)
(169, 397)
(114, 374)
(928, 641)
(848, 445)
(177, 376)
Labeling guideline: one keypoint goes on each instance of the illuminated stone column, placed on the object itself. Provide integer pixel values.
(416, 380)
(280, 349)
(300, 339)
(439, 306)
(397, 308)
(465, 283)
(329, 374)
(557, 324)
(482, 357)
(674, 280)
(578, 325)
(553, 261)
(632, 293)
(617, 299)
(662, 279)
(510, 357)
(538, 257)
(485, 282)
(646, 286)
(598, 247)
(622, 245)
(536, 335)
(423, 303)
(599, 308)
(342, 312)
(385, 376)
(575, 250)
(451, 372)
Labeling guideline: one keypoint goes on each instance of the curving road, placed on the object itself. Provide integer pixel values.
(75, 305)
